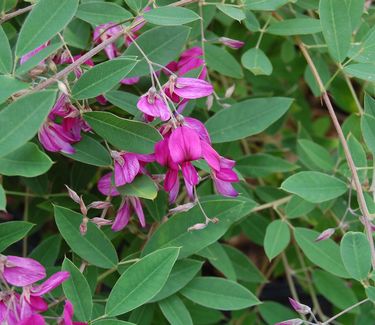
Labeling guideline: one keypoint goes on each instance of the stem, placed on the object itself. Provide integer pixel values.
(272, 204)
(262, 31)
(348, 156)
(15, 14)
(352, 91)
(25, 218)
(345, 311)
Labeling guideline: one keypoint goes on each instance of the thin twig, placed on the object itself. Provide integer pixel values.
(15, 13)
(345, 311)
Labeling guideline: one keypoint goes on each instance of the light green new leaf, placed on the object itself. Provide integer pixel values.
(336, 27)
(277, 238)
(325, 254)
(77, 290)
(182, 273)
(334, 289)
(175, 311)
(232, 12)
(220, 60)
(90, 151)
(93, 247)
(3, 199)
(314, 156)
(124, 134)
(368, 123)
(45, 20)
(10, 86)
(174, 231)
(102, 78)
(364, 71)
(170, 16)
(161, 45)
(142, 186)
(356, 254)
(142, 281)
(314, 186)
(246, 118)
(296, 26)
(13, 231)
(219, 293)
(6, 57)
(257, 62)
(27, 161)
(20, 121)
(98, 13)
(262, 165)
(269, 5)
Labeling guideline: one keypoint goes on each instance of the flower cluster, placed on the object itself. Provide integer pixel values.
(26, 307)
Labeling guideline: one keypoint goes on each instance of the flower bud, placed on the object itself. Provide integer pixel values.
(300, 308)
(99, 205)
(101, 221)
(229, 92)
(197, 226)
(209, 102)
(73, 195)
(83, 208)
(83, 226)
(325, 234)
(62, 87)
(182, 208)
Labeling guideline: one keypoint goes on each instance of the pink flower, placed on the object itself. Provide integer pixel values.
(325, 234)
(68, 313)
(21, 271)
(128, 205)
(189, 88)
(51, 283)
(106, 187)
(153, 105)
(54, 138)
(34, 319)
(105, 31)
(300, 308)
(232, 43)
(32, 53)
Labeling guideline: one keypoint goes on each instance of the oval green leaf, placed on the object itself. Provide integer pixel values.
(296, 26)
(175, 311)
(142, 186)
(13, 231)
(257, 62)
(10, 86)
(99, 12)
(124, 134)
(277, 238)
(142, 281)
(6, 57)
(170, 16)
(94, 247)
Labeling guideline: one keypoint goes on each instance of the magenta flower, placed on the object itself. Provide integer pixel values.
(68, 313)
(128, 205)
(54, 138)
(232, 43)
(21, 271)
(189, 88)
(32, 53)
(34, 319)
(153, 105)
(300, 308)
(106, 187)
(51, 283)
(105, 31)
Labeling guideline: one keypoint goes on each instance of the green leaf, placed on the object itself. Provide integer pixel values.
(277, 238)
(38, 57)
(314, 156)
(20, 121)
(98, 13)
(77, 290)
(370, 292)
(218, 257)
(161, 45)
(334, 289)
(298, 207)
(170, 16)
(265, 4)
(3, 199)
(27, 161)
(246, 118)
(243, 266)
(125, 101)
(232, 12)
(273, 312)
(175, 311)
(219, 293)
(13, 231)
(355, 10)
(102, 78)
(124, 134)
(136, 5)
(6, 5)
(368, 123)
(112, 322)
(296, 26)
(141, 281)
(47, 251)
(220, 60)
(174, 231)
(262, 165)
(142, 186)
(356, 254)
(336, 27)
(90, 151)
(314, 186)
(182, 273)
(364, 71)
(325, 254)
(251, 22)
(10, 86)
(45, 20)
(78, 34)
(257, 62)
(6, 57)
(365, 52)
(93, 247)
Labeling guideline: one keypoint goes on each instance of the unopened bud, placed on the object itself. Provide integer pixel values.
(232, 43)
(83, 208)
(295, 321)
(325, 234)
(101, 221)
(73, 195)
(62, 87)
(182, 208)
(300, 308)
(210, 101)
(197, 226)
(83, 226)
(229, 92)
(99, 205)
